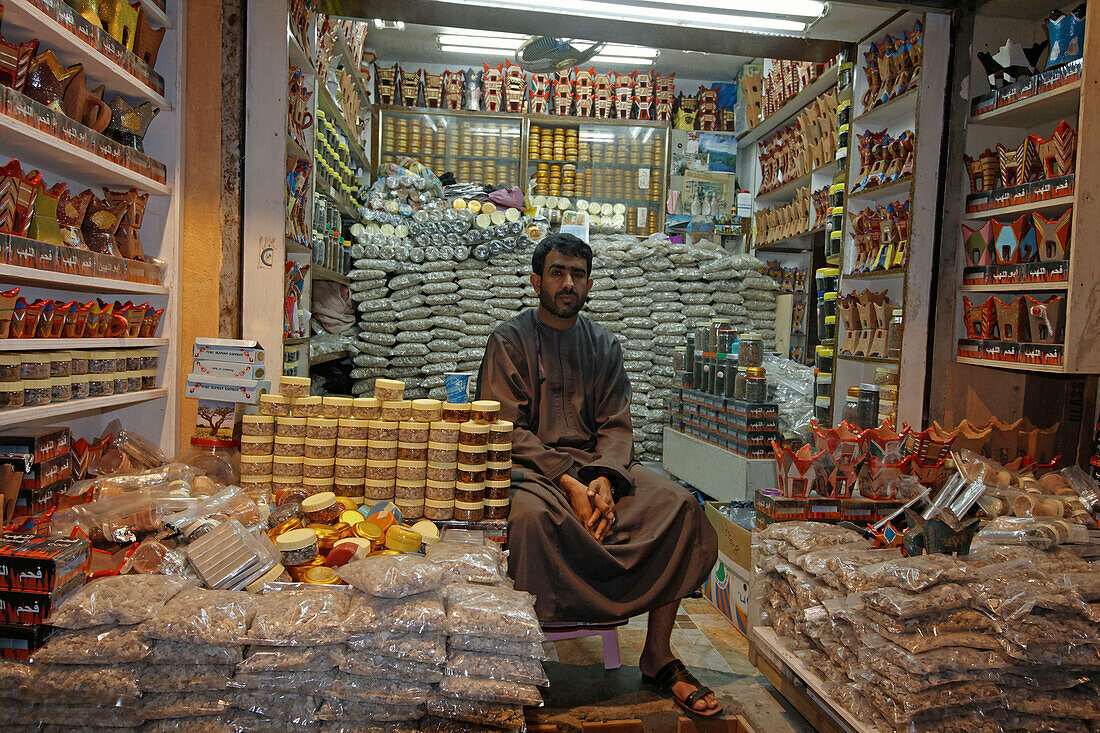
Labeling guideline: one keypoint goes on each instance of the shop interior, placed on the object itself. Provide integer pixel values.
(836, 243)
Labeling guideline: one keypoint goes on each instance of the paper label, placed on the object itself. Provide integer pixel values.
(643, 179)
(643, 214)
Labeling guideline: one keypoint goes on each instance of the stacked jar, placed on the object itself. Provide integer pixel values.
(319, 474)
(442, 475)
(349, 452)
(257, 451)
(11, 382)
(412, 466)
(498, 474)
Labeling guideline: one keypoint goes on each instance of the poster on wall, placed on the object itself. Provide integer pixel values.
(692, 150)
(706, 194)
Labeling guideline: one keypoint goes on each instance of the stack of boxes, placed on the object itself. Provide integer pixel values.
(745, 428)
(41, 456)
(225, 376)
(36, 574)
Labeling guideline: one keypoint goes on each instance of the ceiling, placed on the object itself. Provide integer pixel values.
(416, 46)
(844, 22)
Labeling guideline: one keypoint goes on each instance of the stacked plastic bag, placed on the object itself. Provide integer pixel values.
(420, 318)
(1003, 639)
(159, 653)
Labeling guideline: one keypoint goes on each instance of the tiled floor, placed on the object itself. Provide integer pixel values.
(715, 651)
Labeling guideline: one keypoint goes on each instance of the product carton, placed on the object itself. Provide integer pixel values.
(231, 369)
(221, 402)
(20, 641)
(233, 350)
(727, 587)
(38, 563)
(33, 607)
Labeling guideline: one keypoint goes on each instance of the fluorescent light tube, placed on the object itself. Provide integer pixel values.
(474, 50)
(600, 58)
(482, 41)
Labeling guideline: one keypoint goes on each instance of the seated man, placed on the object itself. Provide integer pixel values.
(593, 535)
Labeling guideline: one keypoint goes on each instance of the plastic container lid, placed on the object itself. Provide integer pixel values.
(830, 319)
(474, 427)
(382, 425)
(44, 358)
(274, 399)
(397, 405)
(485, 405)
(295, 381)
(353, 422)
(321, 422)
(297, 421)
(444, 425)
(258, 419)
(403, 540)
(287, 439)
(413, 425)
(823, 351)
(412, 464)
(499, 484)
(11, 359)
(829, 296)
(296, 539)
(427, 531)
(504, 426)
(329, 441)
(368, 402)
(755, 373)
(456, 405)
(828, 272)
(473, 449)
(427, 404)
(257, 585)
(338, 401)
(853, 392)
(306, 401)
(388, 383)
(317, 502)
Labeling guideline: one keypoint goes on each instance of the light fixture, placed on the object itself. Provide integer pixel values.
(779, 16)
(389, 25)
(507, 44)
(630, 60)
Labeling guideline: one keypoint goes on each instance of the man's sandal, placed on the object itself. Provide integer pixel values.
(674, 672)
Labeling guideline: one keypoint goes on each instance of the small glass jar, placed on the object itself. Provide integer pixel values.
(439, 509)
(411, 470)
(442, 472)
(388, 390)
(274, 405)
(281, 485)
(498, 471)
(497, 509)
(366, 408)
(10, 367)
(382, 430)
(36, 392)
(465, 511)
(349, 449)
(257, 445)
(148, 378)
(893, 333)
(412, 452)
(255, 465)
(444, 432)
(346, 468)
(456, 412)
(397, 410)
(101, 385)
(305, 407)
(473, 455)
(133, 360)
(756, 385)
(81, 387)
(79, 363)
(411, 431)
(470, 474)
(380, 470)
(850, 412)
(469, 491)
(829, 334)
(442, 453)
(498, 489)
(378, 490)
(314, 485)
(290, 427)
(294, 495)
(289, 446)
(381, 450)
(336, 408)
(134, 381)
(406, 489)
(122, 383)
(868, 406)
(257, 487)
(473, 434)
(750, 352)
(61, 389)
(426, 410)
(294, 386)
(318, 467)
(286, 466)
(258, 425)
(350, 428)
(61, 364)
(410, 509)
(500, 432)
(321, 508)
(35, 366)
(439, 489)
(11, 394)
(485, 412)
(320, 428)
(498, 452)
(319, 448)
(150, 359)
(351, 487)
(101, 362)
(297, 547)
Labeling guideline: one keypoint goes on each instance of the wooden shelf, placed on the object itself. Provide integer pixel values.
(71, 49)
(50, 279)
(1061, 103)
(21, 415)
(791, 109)
(801, 686)
(294, 247)
(58, 344)
(156, 14)
(325, 358)
(323, 273)
(719, 473)
(36, 148)
(298, 55)
(295, 341)
(1014, 287)
(897, 272)
(342, 203)
(1011, 365)
(788, 189)
(885, 189)
(1047, 205)
(327, 104)
(890, 111)
(799, 238)
(352, 65)
(867, 360)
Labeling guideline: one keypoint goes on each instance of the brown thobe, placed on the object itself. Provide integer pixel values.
(569, 398)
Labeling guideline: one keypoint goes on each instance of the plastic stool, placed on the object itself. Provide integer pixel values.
(609, 635)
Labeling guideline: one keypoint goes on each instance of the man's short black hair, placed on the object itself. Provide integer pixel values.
(567, 244)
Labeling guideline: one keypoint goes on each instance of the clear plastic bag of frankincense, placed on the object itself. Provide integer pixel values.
(500, 613)
(393, 576)
(120, 599)
(521, 670)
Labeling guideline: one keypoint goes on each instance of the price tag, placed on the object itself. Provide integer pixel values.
(643, 179)
(643, 214)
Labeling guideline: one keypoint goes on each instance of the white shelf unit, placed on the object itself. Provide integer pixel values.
(152, 413)
(266, 248)
(922, 111)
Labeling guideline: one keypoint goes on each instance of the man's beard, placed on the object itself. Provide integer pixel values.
(563, 310)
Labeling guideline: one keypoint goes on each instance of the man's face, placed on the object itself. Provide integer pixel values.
(564, 284)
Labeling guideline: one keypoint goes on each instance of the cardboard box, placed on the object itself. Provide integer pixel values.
(232, 369)
(43, 443)
(20, 641)
(232, 350)
(33, 607)
(40, 562)
(733, 540)
(727, 587)
(226, 389)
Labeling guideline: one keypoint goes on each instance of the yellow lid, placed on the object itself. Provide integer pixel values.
(829, 296)
(318, 461)
(295, 539)
(473, 449)
(442, 446)
(316, 481)
(349, 442)
(427, 531)
(498, 447)
(366, 402)
(830, 319)
(257, 585)
(439, 503)
(468, 506)
(291, 421)
(323, 442)
(289, 480)
(484, 406)
(755, 372)
(256, 439)
(322, 575)
(382, 425)
(468, 467)
(444, 425)
(351, 517)
(461, 486)
(351, 422)
(288, 440)
(501, 426)
(259, 419)
(381, 464)
(295, 381)
(403, 540)
(306, 401)
(380, 483)
(42, 357)
(11, 359)
(321, 422)
(497, 502)
(853, 392)
(287, 459)
(413, 425)
(474, 428)
(456, 406)
(499, 465)
(368, 530)
(824, 351)
(427, 404)
(412, 464)
(381, 443)
(317, 502)
(397, 405)
(419, 446)
(499, 484)
(443, 466)
(828, 271)
(439, 484)
(337, 401)
(353, 462)
(389, 383)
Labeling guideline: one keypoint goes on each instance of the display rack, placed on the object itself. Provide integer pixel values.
(154, 412)
(919, 110)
